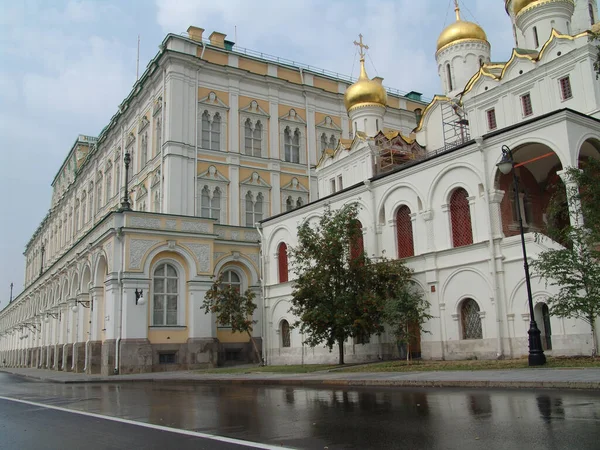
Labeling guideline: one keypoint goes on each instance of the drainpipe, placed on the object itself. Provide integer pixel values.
(307, 141)
(196, 144)
(89, 338)
(120, 238)
(262, 284)
(492, 251)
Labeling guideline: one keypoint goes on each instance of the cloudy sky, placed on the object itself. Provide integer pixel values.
(65, 65)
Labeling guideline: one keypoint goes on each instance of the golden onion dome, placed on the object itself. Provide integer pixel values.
(519, 5)
(365, 91)
(460, 30)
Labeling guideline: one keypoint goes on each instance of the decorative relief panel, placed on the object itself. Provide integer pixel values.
(219, 255)
(171, 224)
(144, 222)
(252, 236)
(202, 254)
(137, 249)
(254, 258)
(235, 235)
(221, 233)
(195, 227)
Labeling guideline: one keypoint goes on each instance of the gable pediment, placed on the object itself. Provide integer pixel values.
(213, 174)
(294, 186)
(256, 180)
(213, 100)
(329, 124)
(254, 108)
(292, 116)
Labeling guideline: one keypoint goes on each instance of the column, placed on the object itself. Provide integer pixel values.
(428, 218)
(573, 201)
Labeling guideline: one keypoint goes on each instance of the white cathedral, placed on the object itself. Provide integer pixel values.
(230, 150)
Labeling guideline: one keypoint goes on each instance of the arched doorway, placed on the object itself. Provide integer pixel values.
(537, 167)
(542, 318)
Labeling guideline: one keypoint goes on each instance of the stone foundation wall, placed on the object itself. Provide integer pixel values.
(321, 355)
(79, 356)
(108, 355)
(135, 356)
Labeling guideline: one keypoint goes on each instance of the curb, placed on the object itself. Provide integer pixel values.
(315, 383)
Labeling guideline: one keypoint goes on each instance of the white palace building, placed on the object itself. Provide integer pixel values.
(231, 150)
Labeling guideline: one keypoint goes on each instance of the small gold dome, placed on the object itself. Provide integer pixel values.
(365, 91)
(459, 30)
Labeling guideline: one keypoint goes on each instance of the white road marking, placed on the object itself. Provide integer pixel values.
(150, 425)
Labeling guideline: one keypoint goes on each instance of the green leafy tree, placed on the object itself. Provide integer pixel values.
(340, 293)
(575, 269)
(232, 308)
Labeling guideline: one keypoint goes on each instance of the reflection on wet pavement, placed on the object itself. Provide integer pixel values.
(341, 418)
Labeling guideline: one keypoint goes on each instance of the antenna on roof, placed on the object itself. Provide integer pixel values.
(137, 64)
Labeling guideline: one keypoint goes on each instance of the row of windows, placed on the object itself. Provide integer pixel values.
(254, 139)
(566, 93)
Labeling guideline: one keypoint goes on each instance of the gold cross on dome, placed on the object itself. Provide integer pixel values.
(362, 46)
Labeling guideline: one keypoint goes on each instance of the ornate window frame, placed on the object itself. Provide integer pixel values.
(328, 127)
(213, 105)
(294, 122)
(255, 184)
(295, 190)
(254, 113)
(213, 180)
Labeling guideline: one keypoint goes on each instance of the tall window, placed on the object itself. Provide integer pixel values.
(165, 289)
(460, 215)
(210, 207)
(108, 176)
(158, 135)
(299, 202)
(324, 143)
(98, 194)
(292, 145)
(285, 334)
(144, 150)
(157, 202)
(83, 209)
(254, 208)
(118, 175)
(253, 138)
(231, 278)
(591, 11)
(91, 199)
(357, 246)
(449, 76)
(76, 216)
(536, 40)
(283, 262)
(565, 88)
(289, 204)
(470, 320)
(211, 131)
(491, 119)
(526, 105)
(404, 233)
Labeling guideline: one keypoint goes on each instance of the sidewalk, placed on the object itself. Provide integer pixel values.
(588, 378)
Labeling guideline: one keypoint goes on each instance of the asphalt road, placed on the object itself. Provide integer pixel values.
(374, 418)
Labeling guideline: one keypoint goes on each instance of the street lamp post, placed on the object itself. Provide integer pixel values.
(536, 352)
(125, 204)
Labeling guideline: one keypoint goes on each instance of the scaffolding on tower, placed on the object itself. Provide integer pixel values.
(455, 124)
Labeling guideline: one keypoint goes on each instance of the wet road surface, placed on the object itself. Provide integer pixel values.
(370, 418)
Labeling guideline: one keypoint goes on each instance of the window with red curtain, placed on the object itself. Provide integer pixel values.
(283, 263)
(404, 233)
(460, 214)
(357, 246)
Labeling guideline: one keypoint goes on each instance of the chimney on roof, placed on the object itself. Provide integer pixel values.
(195, 33)
(217, 39)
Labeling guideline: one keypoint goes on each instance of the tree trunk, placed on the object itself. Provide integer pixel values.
(341, 350)
(255, 348)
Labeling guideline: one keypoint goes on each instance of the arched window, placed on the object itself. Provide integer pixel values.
(157, 202)
(248, 137)
(99, 194)
(205, 202)
(285, 334)
(108, 176)
(324, 144)
(460, 215)
(118, 176)
(144, 150)
(470, 320)
(357, 246)
(299, 202)
(332, 142)
(83, 209)
(211, 131)
(283, 262)
(591, 11)
(536, 40)
(158, 135)
(231, 278)
(253, 138)
(165, 290)
(449, 76)
(215, 205)
(76, 216)
(292, 145)
(404, 233)
(289, 204)
(254, 208)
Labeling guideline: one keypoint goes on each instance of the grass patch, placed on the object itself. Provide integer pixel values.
(436, 366)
